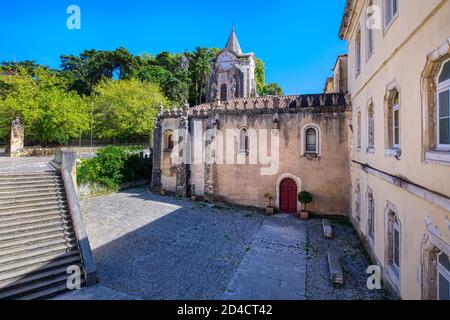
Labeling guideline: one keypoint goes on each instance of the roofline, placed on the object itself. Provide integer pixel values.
(346, 19)
(345, 55)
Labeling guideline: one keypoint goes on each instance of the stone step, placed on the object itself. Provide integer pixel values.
(4, 179)
(327, 229)
(24, 192)
(48, 293)
(27, 235)
(21, 280)
(14, 187)
(36, 226)
(27, 254)
(50, 208)
(337, 276)
(38, 268)
(18, 249)
(30, 174)
(21, 182)
(34, 215)
(18, 244)
(38, 205)
(32, 200)
(12, 196)
(30, 289)
(37, 260)
(23, 223)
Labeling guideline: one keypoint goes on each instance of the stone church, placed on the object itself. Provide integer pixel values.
(255, 151)
(233, 73)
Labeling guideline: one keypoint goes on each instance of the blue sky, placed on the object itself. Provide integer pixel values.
(297, 39)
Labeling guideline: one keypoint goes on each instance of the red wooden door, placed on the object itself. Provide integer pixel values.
(288, 196)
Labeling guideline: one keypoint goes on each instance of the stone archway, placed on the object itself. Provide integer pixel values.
(280, 180)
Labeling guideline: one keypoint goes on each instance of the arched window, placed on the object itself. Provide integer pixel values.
(243, 140)
(370, 215)
(168, 140)
(370, 127)
(223, 92)
(311, 140)
(443, 107)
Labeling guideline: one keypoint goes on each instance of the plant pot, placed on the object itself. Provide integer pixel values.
(193, 198)
(269, 211)
(304, 214)
(162, 192)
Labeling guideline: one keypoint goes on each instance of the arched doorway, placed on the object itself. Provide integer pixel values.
(288, 196)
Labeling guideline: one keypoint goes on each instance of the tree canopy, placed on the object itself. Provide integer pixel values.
(114, 93)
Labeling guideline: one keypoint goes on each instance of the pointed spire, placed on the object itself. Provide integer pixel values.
(233, 43)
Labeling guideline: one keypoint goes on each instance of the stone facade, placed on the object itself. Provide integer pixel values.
(400, 176)
(277, 136)
(233, 74)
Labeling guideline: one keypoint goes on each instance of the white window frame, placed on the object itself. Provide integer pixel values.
(303, 151)
(441, 270)
(395, 144)
(396, 228)
(441, 87)
(389, 16)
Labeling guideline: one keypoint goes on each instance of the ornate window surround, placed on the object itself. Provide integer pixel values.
(435, 61)
(304, 153)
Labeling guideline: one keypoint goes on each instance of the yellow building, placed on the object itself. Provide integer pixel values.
(399, 83)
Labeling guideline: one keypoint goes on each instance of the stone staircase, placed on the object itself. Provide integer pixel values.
(37, 237)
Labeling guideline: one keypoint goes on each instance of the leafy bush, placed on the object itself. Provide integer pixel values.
(111, 167)
(305, 198)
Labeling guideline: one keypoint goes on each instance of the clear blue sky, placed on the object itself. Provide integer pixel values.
(297, 39)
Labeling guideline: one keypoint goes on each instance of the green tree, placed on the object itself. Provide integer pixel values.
(51, 114)
(125, 108)
(260, 75)
(272, 89)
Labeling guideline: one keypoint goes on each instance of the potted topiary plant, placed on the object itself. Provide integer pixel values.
(305, 198)
(269, 208)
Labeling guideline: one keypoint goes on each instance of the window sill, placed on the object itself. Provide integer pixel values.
(310, 155)
(371, 150)
(438, 156)
(246, 152)
(393, 152)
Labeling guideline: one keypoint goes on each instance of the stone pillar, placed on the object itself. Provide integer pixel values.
(209, 177)
(17, 137)
(156, 154)
(182, 168)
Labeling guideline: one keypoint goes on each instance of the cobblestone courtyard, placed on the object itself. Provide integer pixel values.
(153, 247)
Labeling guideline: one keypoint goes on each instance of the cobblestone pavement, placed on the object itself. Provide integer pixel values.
(153, 247)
